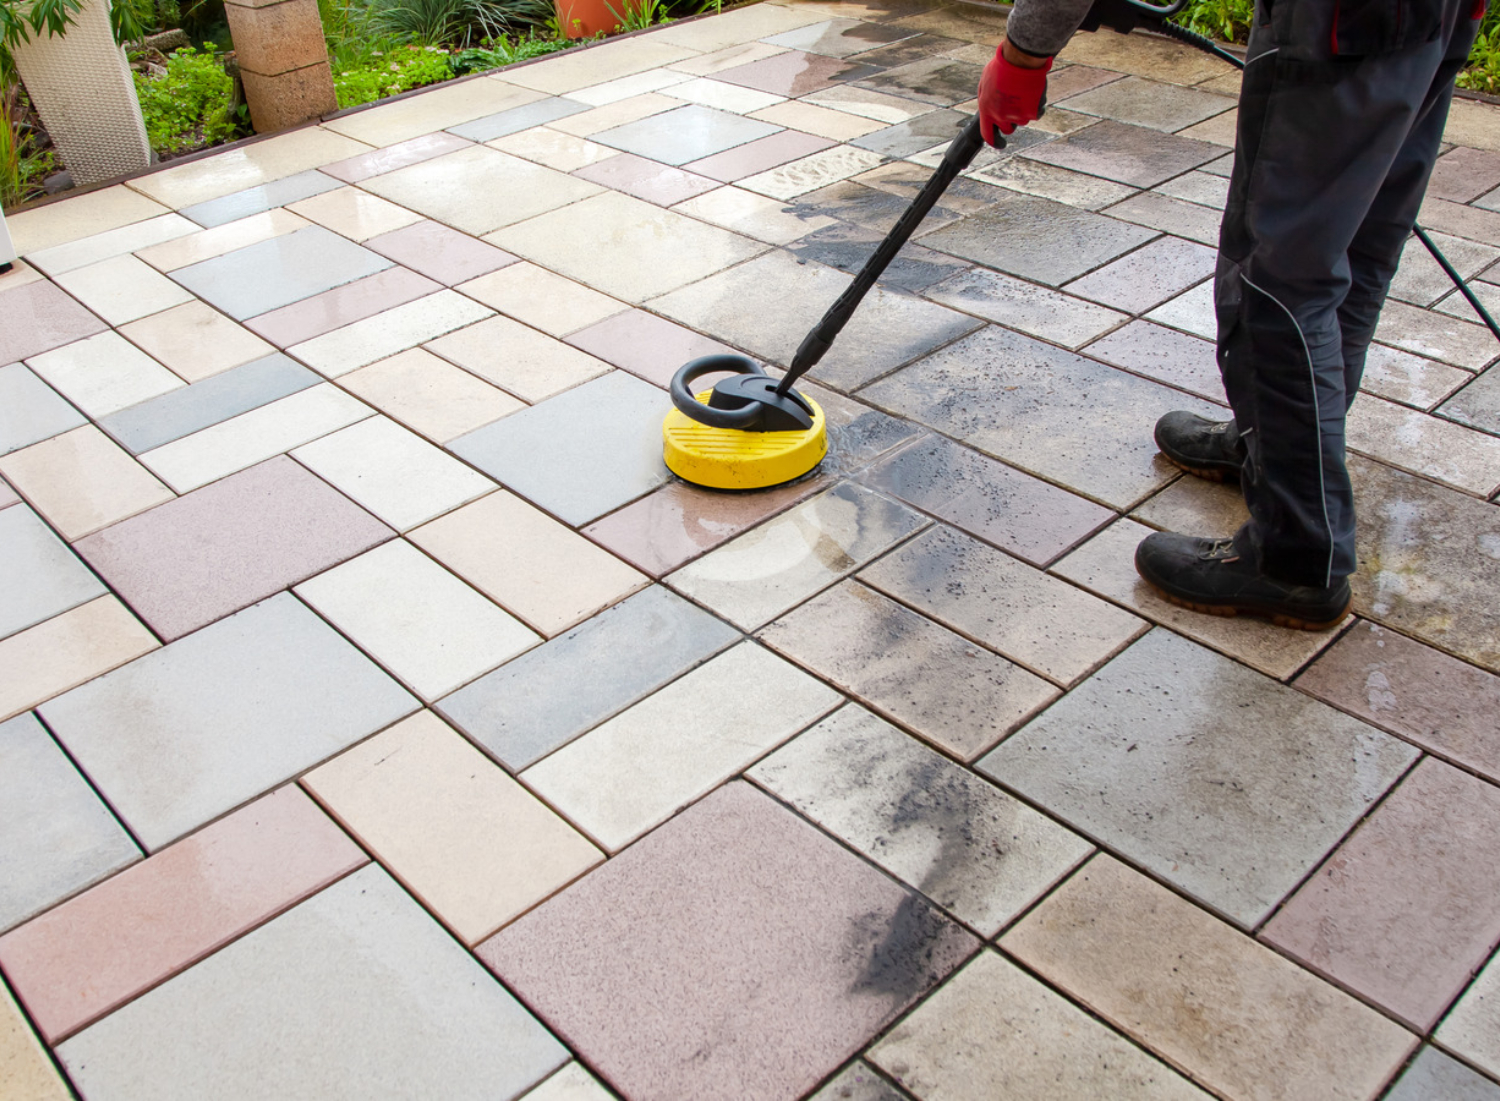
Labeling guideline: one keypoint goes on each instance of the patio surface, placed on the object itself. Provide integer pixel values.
(379, 719)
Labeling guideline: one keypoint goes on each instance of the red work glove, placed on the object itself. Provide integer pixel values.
(1010, 96)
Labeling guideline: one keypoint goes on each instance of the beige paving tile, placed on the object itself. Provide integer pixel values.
(82, 481)
(392, 472)
(104, 374)
(877, 106)
(1414, 441)
(247, 166)
(739, 26)
(587, 123)
(825, 122)
(528, 363)
(354, 214)
(26, 1073)
(1050, 182)
(572, 1083)
(1476, 125)
(727, 58)
(436, 109)
(639, 768)
(637, 84)
(343, 350)
(429, 395)
(61, 653)
(586, 68)
(1220, 130)
(1473, 1026)
(78, 217)
(1411, 380)
(122, 289)
(114, 242)
(195, 340)
(812, 172)
(1197, 507)
(1239, 1018)
(209, 243)
(531, 565)
(724, 96)
(753, 215)
(994, 1031)
(553, 148)
(252, 437)
(542, 299)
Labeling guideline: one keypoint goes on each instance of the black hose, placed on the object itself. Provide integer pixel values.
(1192, 38)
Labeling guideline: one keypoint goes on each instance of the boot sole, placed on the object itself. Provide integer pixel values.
(1207, 473)
(1280, 619)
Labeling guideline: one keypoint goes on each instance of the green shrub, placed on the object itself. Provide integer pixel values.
(188, 106)
(453, 22)
(387, 72)
(1483, 73)
(1226, 20)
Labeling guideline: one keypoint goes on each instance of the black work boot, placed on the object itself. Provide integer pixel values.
(1209, 449)
(1222, 577)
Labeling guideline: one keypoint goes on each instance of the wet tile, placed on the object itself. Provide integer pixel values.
(442, 108)
(195, 341)
(528, 563)
(609, 61)
(429, 395)
(811, 172)
(1488, 294)
(1462, 175)
(1126, 154)
(1435, 335)
(857, 434)
(105, 947)
(67, 650)
(30, 410)
(1165, 355)
(39, 576)
(1420, 281)
(1476, 405)
(58, 836)
(1026, 307)
(1156, 58)
(1415, 441)
(647, 346)
(938, 80)
(440, 253)
(209, 243)
(1192, 311)
(572, 1083)
(255, 200)
(914, 135)
(354, 214)
(247, 166)
(103, 374)
(544, 699)
(758, 156)
(992, 1030)
(475, 846)
(1470, 1029)
(1151, 104)
(1199, 187)
(790, 74)
(716, 93)
(736, 27)
(339, 351)
(1139, 956)
(587, 124)
(82, 481)
(610, 429)
(868, 103)
(112, 243)
(848, 248)
(840, 37)
(753, 215)
(727, 58)
(119, 290)
(504, 123)
(1058, 184)
(835, 952)
(966, 24)
(1194, 505)
(1148, 276)
(377, 162)
(644, 179)
(79, 216)
(1222, 129)
(824, 122)
(25, 1069)
(333, 309)
(553, 148)
(1434, 1076)
(688, 133)
(357, 989)
(541, 299)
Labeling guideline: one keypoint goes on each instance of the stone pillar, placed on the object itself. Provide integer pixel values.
(283, 61)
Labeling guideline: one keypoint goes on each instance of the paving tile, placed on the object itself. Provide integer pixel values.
(1149, 276)
(736, 27)
(840, 37)
(429, 395)
(1199, 187)
(553, 148)
(356, 990)
(753, 215)
(688, 133)
(938, 80)
(111, 243)
(1026, 307)
(848, 248)
(7, 495)
(209, 243)
(714, 92)
(759, 575)
(1465, 221)
(339, 351)
(1420, 281)
(999, 392)
(344, 305)
(255, 200)
(1194, 505)
(811, 172)
(1182, 983)
(231, 446)
(1434, 1076)
(1192, 311)
(968, 25)
(1455, 305)
(429, 629)
(1422, 694)
(479, 189)
(868, 103)
(1462, 175)
(516, 119)
(66, 650)
(377, 162)
(824, 122)
(440, 253)
(103, 374)
(25, 1069)
(80, 216)
(195, 341)
(189, 409)
(1186, 362)
(82, 481)
(834, 952)
(610, 61)
(247, 166)
(915, 135)
(58, 836)
(470, 842)
(1150, 103)
(241, 706)
(225, 546)
(647, 346)
(354, 214)
(994, 1031)
(1476, 405)
(1220, 130)
(758, 156)
(1434, 335)
(1470, 1029)
(541, 299)
(586, 124)
(789, 74)
(1154, 58)
(528, 563)
(1404, 911)
(1415, 441)
(857, 434)
(610, 429)
(102, 948)
(858, 1083)
(572, 1083)
(441, 108)
(39, 576)
(717, 60)
(1058, 184)
(645, 179)
(30, 410)
(119, 290)
(1124, 153)
(530, 706)
(625, 247)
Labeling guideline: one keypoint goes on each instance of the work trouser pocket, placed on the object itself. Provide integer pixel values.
(1368, 28)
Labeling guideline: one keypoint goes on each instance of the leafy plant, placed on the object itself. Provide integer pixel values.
(456, 22)
(640, 14)
(22, 165)
(1483, 73)
(1227, 20)
(188, 106)
(505, 52)
(389, 72)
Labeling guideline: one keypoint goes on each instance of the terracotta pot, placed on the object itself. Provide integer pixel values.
(585, 18)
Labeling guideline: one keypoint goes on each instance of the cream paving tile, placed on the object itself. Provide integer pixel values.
(247, 166)
(587, 123)
(1239, 1018)
(553, 148)
(122, 289)
(637, 84)
(1192, 311)
(738, 26)
(726, 97)
(429, 395)
(636, 770)
(470, 842)
(392, 472)
(727, 58)
(207, 244)
(1472, 1027)
(63, 652)
(994, 1031)
(252, 437)
(25, 1070)
(812, 172)
(1472, 124)
(20, 274)
(572, 1083)
(825, 122)
(528, 563)
(753, 215)
(435, 109)
(195, 341)
(114, 242)
(78, 217)
(82, 481)
(759, 575)
(354, 214)
(1414, 441)
(541, 299)
(610, 61)
(343, 350)
(104, 374)
(528, 363)
(887, 110)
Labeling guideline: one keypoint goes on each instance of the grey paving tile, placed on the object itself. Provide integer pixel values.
(937, 80)
(30, 410)
(1058, 184)
(253, 200)
(1438, 336)
(1148, 276)
(1126, 154)
(1456, 305)
(518, 118)
(543, 699)
(56, 837)
(914, 135)
(1150, 103)
(608, 429)
(39, 576)
(859, 1083)
(355, 992)
(1477, 404)
(1023, 306)
(685, 134)
(1411, 380)
(40, 316)
(1420, 281)
(1157, 211)
(848, 247)
(1186, 362)
(1192, 311)
(863, 204)
(1435, 447)
(1234, 813)
(1198, 186)
(217, 398)
(182, 735)
(1437, 1076)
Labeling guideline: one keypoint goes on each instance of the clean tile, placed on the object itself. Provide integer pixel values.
(103, 374)
(524, 361)
(195, 341)
(541, 299)
(39, 576)
(82, 481)
(122, 289)
(30, 410)
(353, 346)
(66, 650)
(111, 243)
(209, 243)
(439, 252)
(354, 214)
(430, 395)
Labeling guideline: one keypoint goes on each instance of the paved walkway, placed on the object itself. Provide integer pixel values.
(379, 719)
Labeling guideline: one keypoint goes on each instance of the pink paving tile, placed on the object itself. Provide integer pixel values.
(758, 156)
(38, 317)
(646, 179)
(790, 74)
(381, 161)
(735, 952)
(100, 949)
(1463, 175)
(1412, 690)
(7, 495)
(1408, 908)
(341, 306)
(225, 546)
(440, 253)
(645, 345)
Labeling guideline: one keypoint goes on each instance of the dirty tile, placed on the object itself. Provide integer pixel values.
(541, 299)
(1463, 175)
(858, 1083)
(915, 135)
(58, 837)
(1186, 362)
(39, 575)
(112, 243)
(811, 172)
(994, 1031)
(103, 374)
(255, 200)
(356, 990)
(346, 349)
(857, 434)
(1435, 335)
(354, 301)
(1143, 55)
(377, 162)
(1476, 405)
(938, 80)
(240, 706)
(840, 37)
(1148, 276)
(1193, 505)
(1151, 104)
(429, 395)
(354, 214)
(30, 410)
(1434, 1076)
(1488, 294)
(443, 108)
(67, 650)
(528, 563)
(1192, 311)
(195, 341)
(1470, 1029)
(1420, 281)
(685, 134)
(82, 481)
(1140, 956)
(1415, 441)
(247, 166)
(753, 215)
(97, 951)
(553, 148)
(80, 216)
(209, 243)
(735, 98)
(1058, 184)
(517, 119)
(868, 103)
(530, 706)
(1026, 307)
(835, 952)
(791, 74)
(470, 842)
(1124, 153)
(824, 122)
(1199, 187)
(647, 346)
(25, 1069)
(848, 248)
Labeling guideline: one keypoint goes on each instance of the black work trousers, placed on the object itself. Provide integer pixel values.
(1341, 117)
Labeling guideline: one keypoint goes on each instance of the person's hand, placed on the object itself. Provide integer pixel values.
(1012, 91)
